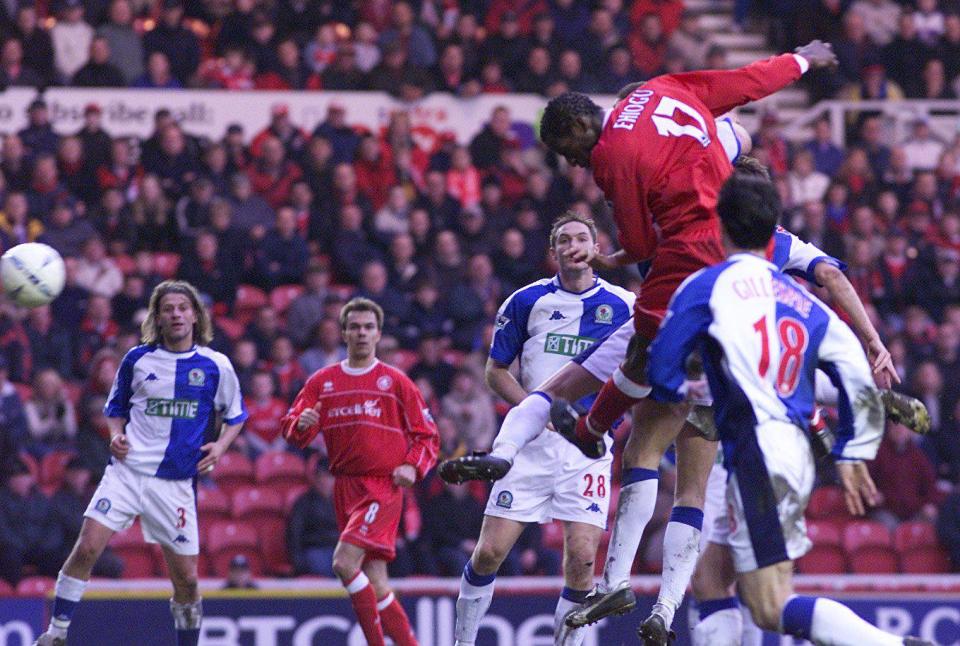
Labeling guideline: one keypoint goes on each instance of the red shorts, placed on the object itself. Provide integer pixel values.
(368, 513)
(674, 261)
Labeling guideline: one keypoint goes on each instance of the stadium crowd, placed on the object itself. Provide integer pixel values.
(278, 228)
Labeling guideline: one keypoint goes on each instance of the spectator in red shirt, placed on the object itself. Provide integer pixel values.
(906, 481)
(668, 10)
(375, 174)
(272, 174)
(262, 430)
(287, 373)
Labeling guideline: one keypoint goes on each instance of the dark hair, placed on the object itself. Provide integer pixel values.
(561, 113)
(750, 166)
(749, 208)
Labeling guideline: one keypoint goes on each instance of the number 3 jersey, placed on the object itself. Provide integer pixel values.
(762, 336)
(170, 401)
(660, 160)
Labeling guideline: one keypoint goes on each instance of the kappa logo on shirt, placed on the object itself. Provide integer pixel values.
(181, 539)
(594, 507)
(151, 377)
(556, 316)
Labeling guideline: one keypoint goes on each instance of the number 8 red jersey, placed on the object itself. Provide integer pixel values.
(373, 420)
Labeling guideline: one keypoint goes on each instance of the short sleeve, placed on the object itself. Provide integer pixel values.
(509, 330)
(228, 399)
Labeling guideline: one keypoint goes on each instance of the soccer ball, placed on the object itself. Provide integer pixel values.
(32, 274)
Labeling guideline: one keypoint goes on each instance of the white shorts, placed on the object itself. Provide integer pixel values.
(167, 508)
(716, 527)
(551, 479)
(767, 493)
(603, 357)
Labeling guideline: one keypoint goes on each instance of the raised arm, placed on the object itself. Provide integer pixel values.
(845, 297)
(723, 90)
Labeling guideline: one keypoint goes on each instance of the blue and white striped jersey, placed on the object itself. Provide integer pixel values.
(793, 256)
(546, 326)
(762, 336)
(169, 400)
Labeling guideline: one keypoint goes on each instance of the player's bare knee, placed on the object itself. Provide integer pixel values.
(487, 557)
(344, 567)
(85, 554)
(765, 611)
(706, 583)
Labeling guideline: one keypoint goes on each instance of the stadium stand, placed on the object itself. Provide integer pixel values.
(877, 184)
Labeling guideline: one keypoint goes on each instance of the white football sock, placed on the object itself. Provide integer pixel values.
(522, 425)
(476, 594)
(721, 628)
(562, 635)
(681, 547)
(638, 497)
(824, 391)
(828, 623)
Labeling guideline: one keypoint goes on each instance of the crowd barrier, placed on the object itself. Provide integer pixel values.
(306, 612)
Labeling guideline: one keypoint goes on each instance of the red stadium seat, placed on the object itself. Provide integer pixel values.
(290, 499)
(824, 532)
(6, 589)
(36, 586)
(140, 559)
(404, 359)
(52, 467)
(865, 533)
(257, 504)
(226, 540)
(827, 559)
(552, 535)
(930, 559)
(212, 505)
(826, 502)
(875, 559)
(166, 264)
(282, 295)
(24, 390)
(280, 470)
(912, 535)
(125, 264)
(273, 546)
(233, 329)
(249, 299)
(233, 470)
(73, 390)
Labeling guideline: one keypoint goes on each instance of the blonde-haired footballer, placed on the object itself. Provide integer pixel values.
(166, 394)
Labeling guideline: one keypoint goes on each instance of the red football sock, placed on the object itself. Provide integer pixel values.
(395, 621)
(610, 405)
(364, 601)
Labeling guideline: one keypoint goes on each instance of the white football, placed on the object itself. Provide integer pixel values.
(32, 274)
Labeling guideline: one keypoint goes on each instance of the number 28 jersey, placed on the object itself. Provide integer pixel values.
(659, 159)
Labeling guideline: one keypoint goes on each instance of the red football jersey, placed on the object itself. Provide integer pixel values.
(658, 159)
(372, 420)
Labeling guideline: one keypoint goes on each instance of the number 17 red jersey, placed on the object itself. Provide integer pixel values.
(659, 160)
